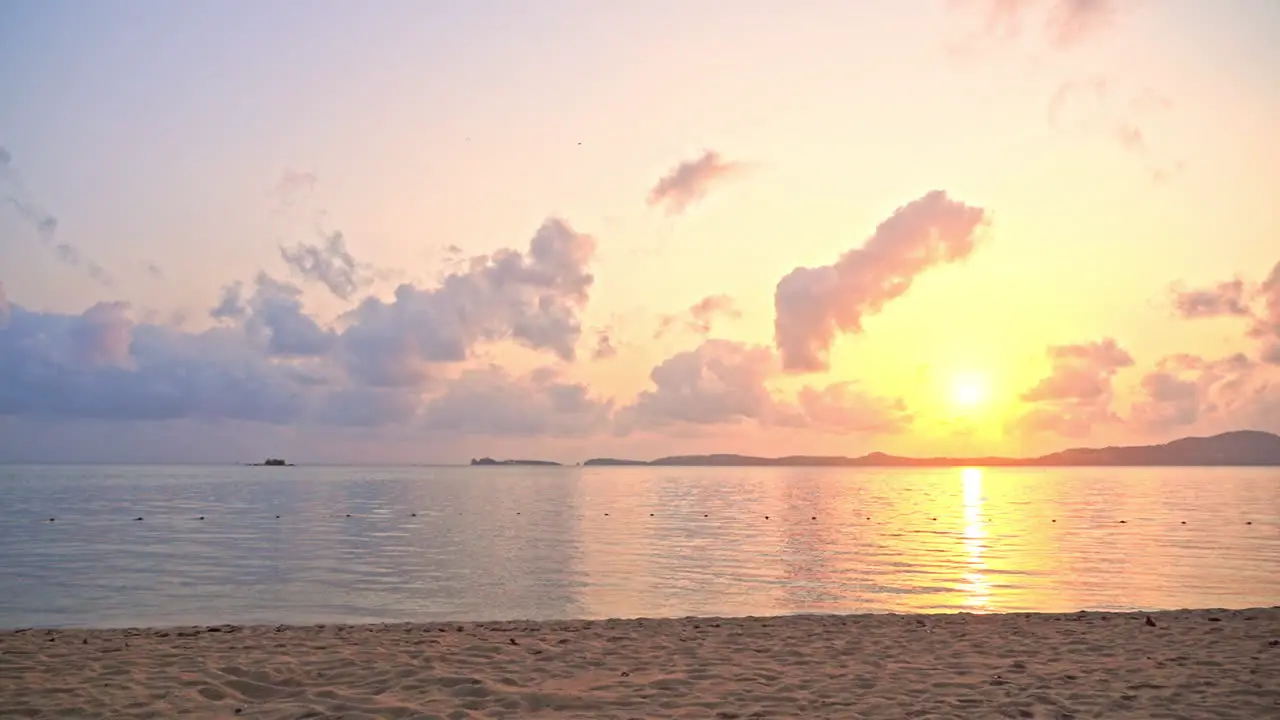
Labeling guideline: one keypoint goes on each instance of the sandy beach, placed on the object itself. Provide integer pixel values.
(1189, 664)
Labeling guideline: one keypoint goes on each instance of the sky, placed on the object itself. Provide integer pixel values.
(403, 231)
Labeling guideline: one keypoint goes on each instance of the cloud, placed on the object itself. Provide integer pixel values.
(722, 382)
(719, 382)
(1077, 393)
(845, 408)
(4, 305)
(1233, 298)
(293, 185)
(690, 181)
(277, 317)
(534, 298)
(1080, 372)
(1271, 354)
(1184, 390)
(45, 224)
(368, 407)
(700, 316)
(274, 318)
(708, 308)
(1191, 394)
(13, 191)
(1085, 104)
(604, 349)
(1090, 105)
(1065, 24)
(1267, 322)
(99, 365)
(102, 335)
(331, 265)
(1071, 22)
(153, 270)
(813, 304)
(1223, 299)
(489, 401)
(231, 305)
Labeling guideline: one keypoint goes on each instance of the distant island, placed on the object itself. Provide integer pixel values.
(1238, 448)
(491, 461)
(272, 462)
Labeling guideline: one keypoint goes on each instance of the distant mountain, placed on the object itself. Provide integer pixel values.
(491, 461)
(1242, 447)
(1238, 448)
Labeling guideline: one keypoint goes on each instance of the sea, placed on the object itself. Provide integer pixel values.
(117, 546)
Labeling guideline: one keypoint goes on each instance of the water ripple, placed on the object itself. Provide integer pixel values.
(390, 544)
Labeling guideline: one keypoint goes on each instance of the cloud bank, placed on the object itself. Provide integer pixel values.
(270, 361)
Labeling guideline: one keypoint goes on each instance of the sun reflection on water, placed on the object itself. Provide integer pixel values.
(977, 588)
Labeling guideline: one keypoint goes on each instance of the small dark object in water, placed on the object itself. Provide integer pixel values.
(1184, 522)
(1150, 622)
(766, 517)
(1214, 619)
(606, 514)
(53, 519)
(650, 514)
(200, 518)
(935, 518)
(277, 517)
(348, 514)
(1054, 520)
(512, 641)
(1122, 522)
(1250, 522)
(137, 519)
(413, 514)
(705, 515)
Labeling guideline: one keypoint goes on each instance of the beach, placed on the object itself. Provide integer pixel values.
(1178, 664)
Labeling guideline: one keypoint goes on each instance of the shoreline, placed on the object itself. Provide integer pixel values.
(1183, 663)
(561, 623)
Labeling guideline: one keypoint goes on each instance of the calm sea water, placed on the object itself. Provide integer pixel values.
(542, 543)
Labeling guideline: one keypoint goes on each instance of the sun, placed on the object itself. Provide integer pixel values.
(969, 391)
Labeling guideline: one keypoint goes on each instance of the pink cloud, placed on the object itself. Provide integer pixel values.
(813, 304)
(691, 180)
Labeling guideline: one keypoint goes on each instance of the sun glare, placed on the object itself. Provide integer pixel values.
(969, 392)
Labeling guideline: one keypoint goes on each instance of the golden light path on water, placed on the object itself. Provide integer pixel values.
(978, 588)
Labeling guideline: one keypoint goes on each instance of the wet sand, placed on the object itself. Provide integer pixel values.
(1190, 664)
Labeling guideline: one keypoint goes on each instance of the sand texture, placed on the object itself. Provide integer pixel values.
(1190, 664)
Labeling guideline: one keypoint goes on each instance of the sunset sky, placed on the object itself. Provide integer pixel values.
(427, 231)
